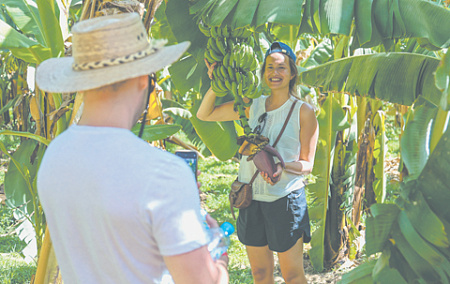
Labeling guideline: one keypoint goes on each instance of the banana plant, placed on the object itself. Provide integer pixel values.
(332, 119)
(412, 235)
(40, 38)
(343, 75)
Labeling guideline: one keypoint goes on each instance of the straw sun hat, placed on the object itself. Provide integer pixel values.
(106, 50)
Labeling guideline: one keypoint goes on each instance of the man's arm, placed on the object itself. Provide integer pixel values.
(197, 267)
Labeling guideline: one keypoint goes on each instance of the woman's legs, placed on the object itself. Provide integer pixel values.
(261, 263)
(291, 264)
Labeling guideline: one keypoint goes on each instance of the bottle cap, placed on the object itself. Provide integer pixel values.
(228, 228)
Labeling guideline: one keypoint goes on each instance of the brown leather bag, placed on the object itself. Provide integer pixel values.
(241, 193)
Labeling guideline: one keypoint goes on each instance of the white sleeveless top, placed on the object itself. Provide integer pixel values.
(288, 147)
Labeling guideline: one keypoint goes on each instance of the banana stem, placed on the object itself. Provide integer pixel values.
(239, 103)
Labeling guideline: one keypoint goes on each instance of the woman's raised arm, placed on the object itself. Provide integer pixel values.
(208, 111)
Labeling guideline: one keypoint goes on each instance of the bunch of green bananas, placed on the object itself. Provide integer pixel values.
(236, 61)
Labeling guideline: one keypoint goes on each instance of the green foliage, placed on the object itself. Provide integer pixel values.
(11, 143)
(412, 234)
(6, 219)
(14, 270)
(9, 241)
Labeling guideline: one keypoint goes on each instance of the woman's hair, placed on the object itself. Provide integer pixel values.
(294, 71)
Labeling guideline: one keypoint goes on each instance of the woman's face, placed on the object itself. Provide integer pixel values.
(277, 73)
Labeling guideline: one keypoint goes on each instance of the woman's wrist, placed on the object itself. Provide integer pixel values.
(281, 165)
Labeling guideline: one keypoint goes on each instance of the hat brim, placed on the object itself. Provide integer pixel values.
(56, 75)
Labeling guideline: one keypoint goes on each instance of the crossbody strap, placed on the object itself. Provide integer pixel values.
(278, 138)
(285, 124)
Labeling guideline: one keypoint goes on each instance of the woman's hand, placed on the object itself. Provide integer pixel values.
(210, 68)
(278, 172)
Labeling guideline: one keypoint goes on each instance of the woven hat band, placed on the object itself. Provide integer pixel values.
(95, 48)
(114, 61)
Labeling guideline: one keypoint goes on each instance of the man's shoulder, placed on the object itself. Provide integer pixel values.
(168, 158)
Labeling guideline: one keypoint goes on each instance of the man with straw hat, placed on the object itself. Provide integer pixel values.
(119, 210)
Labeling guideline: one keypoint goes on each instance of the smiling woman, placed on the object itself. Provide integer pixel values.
(278, 213)
(277, 66)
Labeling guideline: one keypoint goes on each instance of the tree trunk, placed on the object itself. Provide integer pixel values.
(335, 240)
(370, 174)
(361, 169)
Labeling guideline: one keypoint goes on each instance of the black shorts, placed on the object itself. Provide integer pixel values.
(278, 224)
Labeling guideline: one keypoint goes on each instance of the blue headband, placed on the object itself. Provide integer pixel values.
(281, 47)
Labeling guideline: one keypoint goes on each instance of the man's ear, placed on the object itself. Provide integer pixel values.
(142, 82)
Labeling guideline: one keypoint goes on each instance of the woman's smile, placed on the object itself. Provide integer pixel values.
(277, 73)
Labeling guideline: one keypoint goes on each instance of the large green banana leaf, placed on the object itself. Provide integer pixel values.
(20, 177)
(379, 20)
(240, 13)
(379, 154)
(414, 231)
(21, 46)
(395, 77)
(321, 54)
(156, 132)
(443, 79)
(219, 137)
(38, 138)
(181, 116)
(375, 20)
(51, 29)
(434, 180)
(331, 120)
(189, 73)
(361, 275)
(26, 18)
(40, 36)
(184, 26)
(414, 140)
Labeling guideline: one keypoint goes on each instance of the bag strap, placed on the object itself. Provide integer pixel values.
(278, 138)
(285, 124)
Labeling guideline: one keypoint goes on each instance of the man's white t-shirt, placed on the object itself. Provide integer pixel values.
(116, 205)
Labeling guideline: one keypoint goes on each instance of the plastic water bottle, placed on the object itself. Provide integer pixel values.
(219, 237)
(220, 240)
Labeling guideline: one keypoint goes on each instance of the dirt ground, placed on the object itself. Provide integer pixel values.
(332, 275)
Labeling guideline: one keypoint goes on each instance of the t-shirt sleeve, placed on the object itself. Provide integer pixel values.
(172, 210)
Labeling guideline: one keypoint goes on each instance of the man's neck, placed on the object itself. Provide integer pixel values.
(103, 109)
